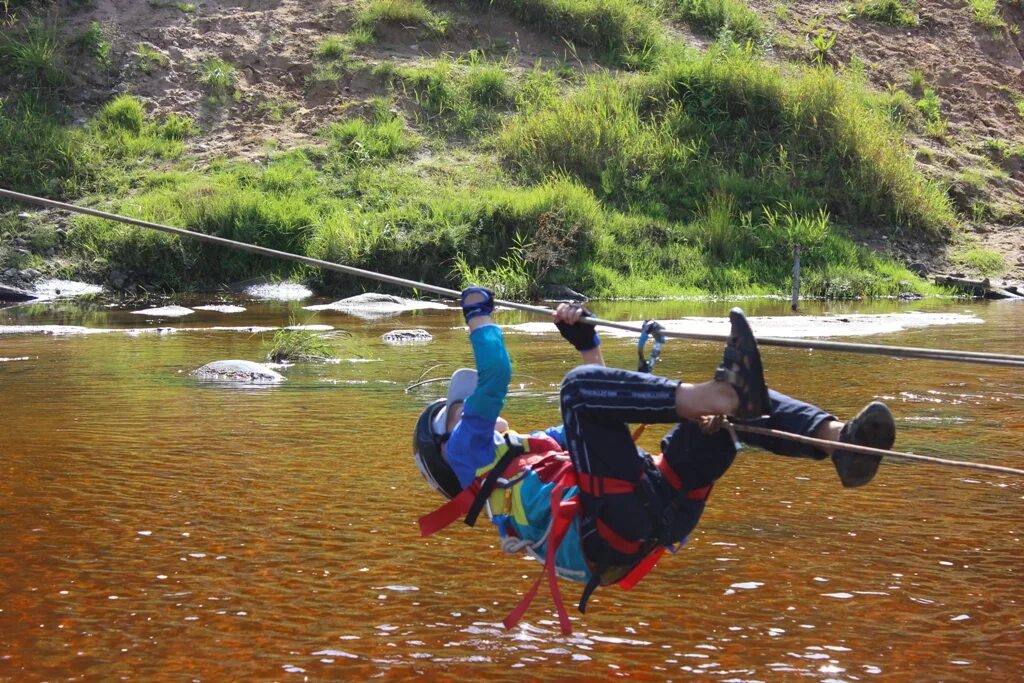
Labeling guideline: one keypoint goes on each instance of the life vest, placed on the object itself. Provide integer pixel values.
(551, 463)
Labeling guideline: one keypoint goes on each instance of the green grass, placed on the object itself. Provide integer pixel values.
(487, 83)
(298, 345)
(41, 156)
(986, 14)
(890, 12)
(31, 53)
(695, 174)
(372, 15)
(447, 224)
(150, 59)
(44, 156)
(917, 79)
(726, 123)
(456, 96)
(714, 16)
(382, 137)
(93, 42)
(218, 77)
(986, 262)
(332, 48)
(623, 33)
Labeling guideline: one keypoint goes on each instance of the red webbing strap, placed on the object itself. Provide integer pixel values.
(673, 479)
(595, 485)
(564, 511)
(619, 543)
(667, 472)
(448, 513)
(638, 572)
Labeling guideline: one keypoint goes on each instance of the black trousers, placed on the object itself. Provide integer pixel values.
(599, 403)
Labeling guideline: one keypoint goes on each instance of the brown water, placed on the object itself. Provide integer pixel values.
(155, 528)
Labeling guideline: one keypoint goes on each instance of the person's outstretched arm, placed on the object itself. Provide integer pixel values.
(471, 445)
(489, 354)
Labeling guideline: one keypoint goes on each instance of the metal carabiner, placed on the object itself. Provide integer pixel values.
(650, 328)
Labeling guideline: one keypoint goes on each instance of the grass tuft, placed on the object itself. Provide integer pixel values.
(986, 14)
(123, 113)
(714, 16)
(299, 345)
(890, 12)
(218, 77)
(372, 15)
(151, 59)
(622, 32)
(30, 53)
(987, 262)
(93, 42)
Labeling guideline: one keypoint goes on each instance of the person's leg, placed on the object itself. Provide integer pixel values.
(597, 403)
(873, 426)
(698, 459)
(796, 417)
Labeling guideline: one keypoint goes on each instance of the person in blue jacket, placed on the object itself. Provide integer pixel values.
(627, 505)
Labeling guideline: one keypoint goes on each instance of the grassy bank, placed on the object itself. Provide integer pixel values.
(691, 174)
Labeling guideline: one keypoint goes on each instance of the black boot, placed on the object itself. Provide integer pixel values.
(873, 426)
(741, 368)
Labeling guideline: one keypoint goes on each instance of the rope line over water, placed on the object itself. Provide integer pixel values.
(874, 349)
(978, 357)
(867, 450)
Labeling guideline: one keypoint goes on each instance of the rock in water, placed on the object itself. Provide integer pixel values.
(406, 336)
(165, 312)
(369, 306)
(238, 371)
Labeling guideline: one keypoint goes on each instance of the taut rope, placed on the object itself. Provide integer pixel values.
(873, 349)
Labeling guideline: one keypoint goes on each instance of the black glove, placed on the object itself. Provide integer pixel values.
(581, 335)
(485, 307)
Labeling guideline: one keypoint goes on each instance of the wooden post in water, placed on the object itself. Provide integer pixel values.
(796, 277)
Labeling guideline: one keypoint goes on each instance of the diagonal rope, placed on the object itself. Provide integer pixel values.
(979, 357)
(867, 450)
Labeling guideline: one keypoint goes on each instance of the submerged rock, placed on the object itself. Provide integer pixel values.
(369, 306)
(15, 295)
(221, 308)
(52, 289)
(166, 311)
(406, 336)
(238, 371)
(282, 291)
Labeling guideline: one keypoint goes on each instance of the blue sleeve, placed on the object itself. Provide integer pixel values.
(495, 369)
(471, 445)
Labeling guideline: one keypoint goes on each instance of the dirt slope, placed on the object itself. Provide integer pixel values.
(278, 101)
(978, 75)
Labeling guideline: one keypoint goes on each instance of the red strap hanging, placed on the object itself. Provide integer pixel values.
(450, 512)
(642, 569)
(563, 512)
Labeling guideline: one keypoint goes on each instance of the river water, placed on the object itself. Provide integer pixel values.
(153, 527)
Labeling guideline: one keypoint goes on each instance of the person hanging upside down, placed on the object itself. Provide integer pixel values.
(582, 497)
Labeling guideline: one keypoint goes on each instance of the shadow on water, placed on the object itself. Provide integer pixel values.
(151, 525)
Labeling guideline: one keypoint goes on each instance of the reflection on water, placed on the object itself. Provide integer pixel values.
(151, 525)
